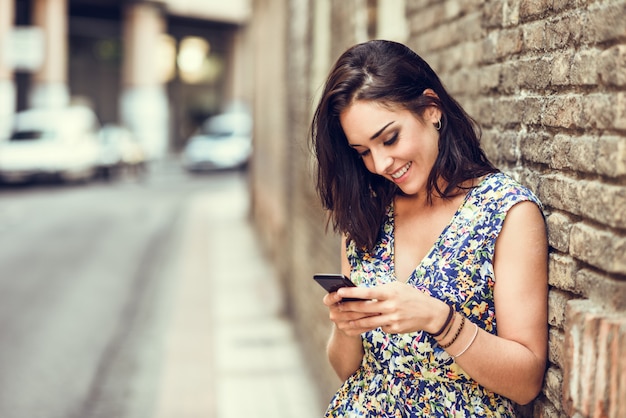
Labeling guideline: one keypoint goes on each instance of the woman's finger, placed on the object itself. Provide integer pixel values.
(365, 293)
(331, 299)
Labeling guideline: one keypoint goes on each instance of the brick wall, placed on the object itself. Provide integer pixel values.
(547, 81)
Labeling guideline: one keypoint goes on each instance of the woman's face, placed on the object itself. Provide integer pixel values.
(393, 143)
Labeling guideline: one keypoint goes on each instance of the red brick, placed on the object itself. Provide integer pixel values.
(594, 377)
(588, 363)
(617, 393)
(609, 405)
(572, 346)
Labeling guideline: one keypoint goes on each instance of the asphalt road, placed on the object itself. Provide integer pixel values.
(83, 293)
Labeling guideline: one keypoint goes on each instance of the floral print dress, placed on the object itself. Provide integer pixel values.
(409, 375)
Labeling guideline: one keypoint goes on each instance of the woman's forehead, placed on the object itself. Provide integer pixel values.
(364, 121)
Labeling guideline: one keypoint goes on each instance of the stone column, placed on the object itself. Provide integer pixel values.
(50, 88)
(7, 84)
(144, 104)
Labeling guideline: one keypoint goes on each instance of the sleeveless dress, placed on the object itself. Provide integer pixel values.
(409, 375)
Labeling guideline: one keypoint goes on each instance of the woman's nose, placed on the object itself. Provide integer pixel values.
(382, 162)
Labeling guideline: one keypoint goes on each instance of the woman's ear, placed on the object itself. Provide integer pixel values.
(433, 113)
(431, 93)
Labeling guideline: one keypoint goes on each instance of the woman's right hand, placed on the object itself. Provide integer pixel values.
(345, 348)
(343, 314)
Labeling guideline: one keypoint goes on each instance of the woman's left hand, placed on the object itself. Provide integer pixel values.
(396, 307)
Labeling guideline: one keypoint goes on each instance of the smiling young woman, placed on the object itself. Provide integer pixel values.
(449, 253)
(401, 148)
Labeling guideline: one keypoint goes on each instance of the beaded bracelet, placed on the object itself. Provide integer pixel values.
(456, 334)
(469, 344)
(445, 325)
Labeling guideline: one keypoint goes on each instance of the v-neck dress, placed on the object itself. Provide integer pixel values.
(409, 375)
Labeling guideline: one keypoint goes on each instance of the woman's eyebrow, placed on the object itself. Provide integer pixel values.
(377, 134)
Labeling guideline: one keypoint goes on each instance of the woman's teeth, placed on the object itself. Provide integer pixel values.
(401, 172)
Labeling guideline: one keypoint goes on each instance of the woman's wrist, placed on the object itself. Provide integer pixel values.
(339, 333)
(459, 337)
(443, 316)
(446, 324)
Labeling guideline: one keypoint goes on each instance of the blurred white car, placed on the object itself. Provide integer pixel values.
(59, 142)
(120, 151)
(223, 141)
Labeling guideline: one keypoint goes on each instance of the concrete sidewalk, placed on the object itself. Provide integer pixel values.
(229, 353)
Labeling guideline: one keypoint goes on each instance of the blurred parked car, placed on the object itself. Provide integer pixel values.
(120, 152)
(60, 143)
(223, 141)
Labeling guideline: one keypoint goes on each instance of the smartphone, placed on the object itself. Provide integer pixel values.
(333, 282)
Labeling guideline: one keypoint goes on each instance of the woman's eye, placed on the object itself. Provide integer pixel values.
(364, 153)
(391, 140)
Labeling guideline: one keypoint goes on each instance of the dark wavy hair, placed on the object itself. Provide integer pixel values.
(393, 75)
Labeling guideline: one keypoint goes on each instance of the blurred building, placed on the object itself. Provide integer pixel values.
(158, 67)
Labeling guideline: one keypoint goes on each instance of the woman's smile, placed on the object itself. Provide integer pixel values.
(401, 172)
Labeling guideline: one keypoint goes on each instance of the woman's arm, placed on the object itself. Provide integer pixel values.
(513, 362)
(345, 351)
